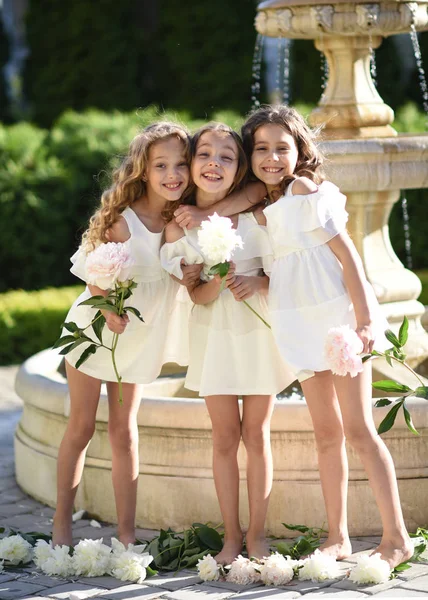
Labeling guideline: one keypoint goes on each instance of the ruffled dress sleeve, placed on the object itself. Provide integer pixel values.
(78, 267)
(172, 253)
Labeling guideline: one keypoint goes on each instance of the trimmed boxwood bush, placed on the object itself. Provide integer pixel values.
(30, 321)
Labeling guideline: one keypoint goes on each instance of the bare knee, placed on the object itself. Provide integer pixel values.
(256, 438)
(226, 440)
(123, 436)
(328, 439)
(364, 439)
(80, 432)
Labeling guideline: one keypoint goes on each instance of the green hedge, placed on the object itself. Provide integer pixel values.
(30, 321)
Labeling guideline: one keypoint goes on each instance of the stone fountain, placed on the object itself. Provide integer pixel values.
(370, 163)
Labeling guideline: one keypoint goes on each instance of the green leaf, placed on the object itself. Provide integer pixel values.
(387, 385)
(421, 392)
(383, 402)
(191, 551)
(221, 269)
(72, 327)
(192, 561)
(389, 420)
(98, 325)
(301, 528)
(391, 337)
(64, 340)
(67, 349)
(81, 340)
(420, 549)
(401, 567)
(151, 572)
(388, 359)
(109, 307)
(403, 334)
(134, 311)
(209, 537)
(86, 354)
(305, 547)
(93, 301)
(408, 419)
(284, 548)
(366, 358)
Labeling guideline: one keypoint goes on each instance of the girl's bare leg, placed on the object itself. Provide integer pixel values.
(355, 395)
(226, 433)
(84, 396)
(123, 433)
(256, 436)
(332, 460)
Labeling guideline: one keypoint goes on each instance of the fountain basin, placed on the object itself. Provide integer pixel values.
(176, 487)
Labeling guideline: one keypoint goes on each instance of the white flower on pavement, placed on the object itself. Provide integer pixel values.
(218, 239)
(118, 547)
(91, 558)
(277, 570)
(42, 551)
(58, 563)
(15, 550)
(130, 566)
(208, 568)
(243, 571)
(319, 567)
(370, 569)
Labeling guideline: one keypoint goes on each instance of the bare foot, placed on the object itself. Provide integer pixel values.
(61, 535)
(127, 539)
(257, 547)
(231, 549)
(395, 553)
(338, 549)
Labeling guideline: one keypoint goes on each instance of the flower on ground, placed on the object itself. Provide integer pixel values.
(108, 264)
(91, 558)
(15, 550)
(276, 570)
(319, 567)
(342, 351)
(243, 571)
(218, 239)
(130, 566)
(208, 568)
(118, 547)
(370, 569)
(42, 551)
(56, 563)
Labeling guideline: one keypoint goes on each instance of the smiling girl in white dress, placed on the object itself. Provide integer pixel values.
(151, 178)
(318, 282)
(232, 353)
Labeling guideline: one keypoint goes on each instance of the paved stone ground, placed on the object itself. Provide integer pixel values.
(22, 512)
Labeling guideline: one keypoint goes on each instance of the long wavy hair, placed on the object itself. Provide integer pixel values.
(309, 160)
(242, 170)
(127, 183)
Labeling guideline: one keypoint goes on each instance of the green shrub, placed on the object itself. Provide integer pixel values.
(30, 321)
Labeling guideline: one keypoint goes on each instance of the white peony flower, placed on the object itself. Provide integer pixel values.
(277, 570)
(91, 558)
(342, 351)
(58, 563)
(130, 566)
(42, 551)
(243, 572)
(108, 264)
(218, 239)
(370, 569)
(208, 568)
(118, 547)
(15, 550)
(319, 567)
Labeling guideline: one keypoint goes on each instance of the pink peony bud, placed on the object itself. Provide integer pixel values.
(342, 351)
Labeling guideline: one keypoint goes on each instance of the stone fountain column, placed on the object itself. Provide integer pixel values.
(367, 159)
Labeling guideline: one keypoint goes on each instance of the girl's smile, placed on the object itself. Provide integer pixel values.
(167, 172)
(274, 155)
(214, 165)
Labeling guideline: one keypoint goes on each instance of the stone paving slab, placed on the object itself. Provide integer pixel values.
(420, 584)
(260, 593)
(401, 593)
(331, 593)
(15, 589)
(347, 584)
(417, 570)
(79, 591)
(234, 587)
(105, 581)
(133, 592)
(173, 582)
(198, 592)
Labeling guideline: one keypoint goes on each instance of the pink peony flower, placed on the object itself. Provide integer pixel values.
(342, 351)
(108, 264)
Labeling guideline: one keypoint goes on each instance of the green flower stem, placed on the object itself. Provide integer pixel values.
(257, 314)
(114, 345)
(92, 322)
(402, 362)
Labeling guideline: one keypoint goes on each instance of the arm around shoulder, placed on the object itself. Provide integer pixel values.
(303, 186)
(119, 231)
(173, 232)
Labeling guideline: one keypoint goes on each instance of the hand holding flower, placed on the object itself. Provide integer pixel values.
(366, 335)
(245, 286)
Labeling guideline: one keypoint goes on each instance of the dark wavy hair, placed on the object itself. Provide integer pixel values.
(310, 159)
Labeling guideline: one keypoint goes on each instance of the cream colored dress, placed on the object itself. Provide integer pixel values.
(143, 347)
(307, 293)
(231, 350)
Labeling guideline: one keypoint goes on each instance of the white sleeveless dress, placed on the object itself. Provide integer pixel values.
(231, 350)
(143, 347)
(307, 292)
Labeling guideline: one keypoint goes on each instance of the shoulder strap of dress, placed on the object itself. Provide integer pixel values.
(289, 190)
(129, 216)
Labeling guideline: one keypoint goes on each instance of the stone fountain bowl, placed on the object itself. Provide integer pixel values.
(176, 486)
